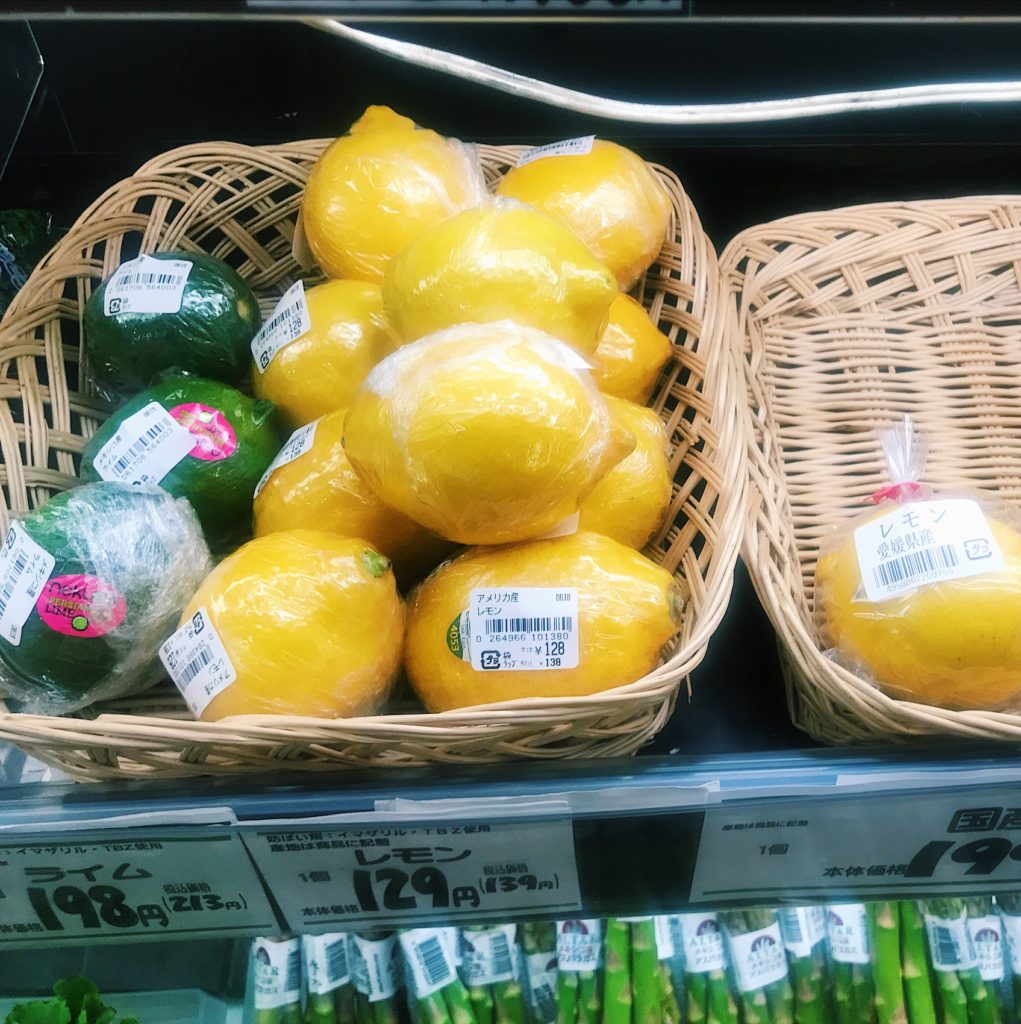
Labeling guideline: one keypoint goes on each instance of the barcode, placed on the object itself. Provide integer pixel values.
(15, 574)
(918, 563)
(336, 960)
(540, 624)
(945, 949)
(160, 280)
(500, 950)
(195, 666)
(141, 445)
(285, 314)
(545, 1002)
(432, 961)
(790, 926)
(293, 975)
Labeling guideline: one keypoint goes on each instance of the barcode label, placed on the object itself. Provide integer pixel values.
(276, 972)
(197, 662)
(758, 958)
(987, 938)
(24, 569)
(847, 932)
(295, 446)
(924, 542)
(428, 958)
(147, 446)
(702, 943)
(146, 285)
(374, 967)
(1012, 929)
(488, 955)
(802, 928)
(288, 322)
(950, 944)
(566, 147)
(521, 629)
(541, 971)
(579, 944)
(326, 961)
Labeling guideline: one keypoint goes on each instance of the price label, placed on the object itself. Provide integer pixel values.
(398, 875)
(810, 849)
(135, 886)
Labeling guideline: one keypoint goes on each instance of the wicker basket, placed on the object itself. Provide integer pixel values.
(240, 204)
(847, 320)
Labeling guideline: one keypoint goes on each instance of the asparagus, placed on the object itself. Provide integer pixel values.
(432, 1009)
(509, 1002)
(696, 997)
(808, 972)
(482, 1005)
(842, 1003)
(567, 997)
(1011, 906)
(670, 1012)
(722, 1007)
(990, 1009)
(863, 994)
(890, 1008)
(775, 998)
(921, 1008)
(617, 998)
(539, 943)
(644, 971)
(589, 1003)
(320, 1009)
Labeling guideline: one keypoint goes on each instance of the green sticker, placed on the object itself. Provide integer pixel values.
(456, 638)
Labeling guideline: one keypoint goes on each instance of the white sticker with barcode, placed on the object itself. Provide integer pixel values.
(374, 967)
(665, 949)
(758, 958)
(146, 285)
(427, 953)
(521, 629)
(802, 928)
(24, 569)
(702, 943)
(327, 962)
(276, 971)
(987, 938)
(847, 932)
(579, 944)
(1012, 929)
(581, 146)
(541, 970)
(488, 955)
(294, 447)
(288, 322)
(146, 446)
(950, 943)
(197, 662)
(924, 542)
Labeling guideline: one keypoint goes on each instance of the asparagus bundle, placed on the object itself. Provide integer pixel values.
(328, 979)
(986, 930)
(918, 997)
(804, 933)
(377, 979)
(850, 947)
(1010, 909)
(652, 989)
(707, 990)
(539, 946)
(490, 970)
(889, 970)
(276, 981)
(759, 966)
(431, 960)
(579, 975)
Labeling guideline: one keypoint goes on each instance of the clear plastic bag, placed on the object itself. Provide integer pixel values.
(92, 583)
(923, 595)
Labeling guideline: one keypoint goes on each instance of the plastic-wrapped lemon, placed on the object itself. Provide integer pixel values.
(485, 434)
(554, 618)
(631, 352)
(629, 502)
(299, 623)
(608, 196)
(955, 644)
(311, 485)
(378, 187)
(342, 336)
(501, 261)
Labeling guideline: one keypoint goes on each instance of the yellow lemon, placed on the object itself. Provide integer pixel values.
(320, 370)
(484, 433)
(628, 504)
(378, 187)
(631, 352)
(609, 197)
(319, 490)
(312, 624)
(502, 261)
(954, 644)
(627, 609)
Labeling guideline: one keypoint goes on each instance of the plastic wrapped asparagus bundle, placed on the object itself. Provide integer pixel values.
(986, 930)
(963, 995)
(328, 979)
(276, 981)
(539, 945)
(1009, 906)
(804, 937)
(918, 997)
(375, 966)
(579, 974)
(850, 948)
(708, 994)
(652, 989)
(430, 955)
(759, 966)
(490, 968)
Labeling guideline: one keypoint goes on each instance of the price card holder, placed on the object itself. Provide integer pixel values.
(138, 885)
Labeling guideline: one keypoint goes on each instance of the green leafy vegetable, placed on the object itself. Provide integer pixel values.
(76, 1001)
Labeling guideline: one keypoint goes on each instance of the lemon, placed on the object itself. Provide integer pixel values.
(631, 352)
(609, 197)
(312, 624)
(628, 608)
(628, 504)
(484, 433)
(376, 188)
(954, 644)
(502, 261)
(320, 490)
(320, 370)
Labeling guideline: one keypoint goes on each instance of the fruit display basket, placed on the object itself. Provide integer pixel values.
(848, 320)
(240, 204)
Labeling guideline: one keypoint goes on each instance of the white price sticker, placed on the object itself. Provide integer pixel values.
(288, 322)
(427, 952)
(702, 943)
(950, 943)
(987, 938)
(327, 961)
(276, 973)
(847, 930)
(197, 661)
(665, 949)
(24, 569)
(146, 285)
(294, 447)
(925, 542)
(376, 969)
(758, 958)
(580, 146)
(541, 972)
(146, 446)
(521, 629)
(400, 875)
(802, 928)
(1012, 929)
(580, 944)
(488, 955)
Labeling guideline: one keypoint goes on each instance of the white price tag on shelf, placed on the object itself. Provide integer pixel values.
(133, 886)
(24, 569)
(393, 874)
(146, 285)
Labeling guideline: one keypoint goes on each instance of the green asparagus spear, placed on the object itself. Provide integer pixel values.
(320, 1009)
(363, 1009)
(890, 1007)
(842, 1002)
(644, 969)
(670, 1012)
(807, 983)
(567, 997)
(863, 994)
(921, 1008)
(722, 1007)
(482, 1004)
(538, 937)
(954, 1001)
(459, 1003)
(992, 1012)
(509, 1002)
(697, 997)
(589, 1002)
(345, 1003)
(617, 998)
(432, 1009)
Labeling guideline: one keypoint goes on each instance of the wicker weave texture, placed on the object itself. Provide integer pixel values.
(240, 204)
(847, 320)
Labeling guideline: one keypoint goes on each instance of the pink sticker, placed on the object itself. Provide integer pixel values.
(214, 436)
(80, 605)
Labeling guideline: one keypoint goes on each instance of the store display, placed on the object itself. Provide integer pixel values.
(603, 192)
(90, 585)
(500, 261)
(631, 353)
(168, 310)
(317, 346)
(377, 188)
(195, 438)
